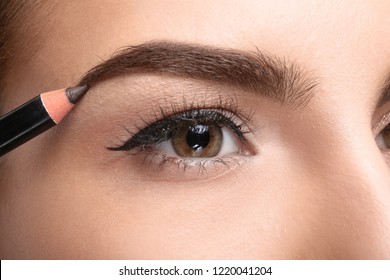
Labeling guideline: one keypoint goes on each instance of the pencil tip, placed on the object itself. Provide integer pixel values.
(74, 94)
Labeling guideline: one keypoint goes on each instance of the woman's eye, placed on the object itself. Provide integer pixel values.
(199, 135)
(383, 138)
(200, 141)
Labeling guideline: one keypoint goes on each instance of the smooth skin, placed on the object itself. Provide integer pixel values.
(317, 188)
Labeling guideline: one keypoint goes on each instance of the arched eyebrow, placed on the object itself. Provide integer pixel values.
(264, 74)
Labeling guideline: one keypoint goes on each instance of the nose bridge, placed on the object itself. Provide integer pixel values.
(354, 180)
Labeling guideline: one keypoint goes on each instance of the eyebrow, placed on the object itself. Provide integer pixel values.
(259, 72)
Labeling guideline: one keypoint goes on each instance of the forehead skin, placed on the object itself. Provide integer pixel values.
(344, 43)
(314, 33)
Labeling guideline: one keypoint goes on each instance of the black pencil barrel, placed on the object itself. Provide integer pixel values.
(22, 124)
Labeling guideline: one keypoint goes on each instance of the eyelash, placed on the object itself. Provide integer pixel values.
(224, 113)
(382, 124)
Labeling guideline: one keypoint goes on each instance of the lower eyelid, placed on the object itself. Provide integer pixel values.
(161, 166)
(148, 164)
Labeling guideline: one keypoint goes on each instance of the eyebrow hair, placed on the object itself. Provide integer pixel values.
(259, 72)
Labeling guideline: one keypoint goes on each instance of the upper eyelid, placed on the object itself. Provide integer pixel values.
(381, 124)
(165, 120)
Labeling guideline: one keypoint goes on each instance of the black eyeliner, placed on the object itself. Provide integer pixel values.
(163, 129)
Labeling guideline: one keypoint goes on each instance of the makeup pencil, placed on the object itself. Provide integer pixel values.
(36, 116)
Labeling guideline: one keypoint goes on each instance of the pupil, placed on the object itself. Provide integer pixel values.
(198, 137)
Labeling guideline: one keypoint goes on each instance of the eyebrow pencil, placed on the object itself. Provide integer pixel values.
(36, 116)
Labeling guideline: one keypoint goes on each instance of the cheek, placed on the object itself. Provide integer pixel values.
(84, 213)
(296, 201)
(63, 208)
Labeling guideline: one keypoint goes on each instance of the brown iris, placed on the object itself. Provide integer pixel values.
(197, 140)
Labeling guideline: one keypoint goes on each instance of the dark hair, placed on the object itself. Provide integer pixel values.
(3, 32)
(16, 19)
(9, 11)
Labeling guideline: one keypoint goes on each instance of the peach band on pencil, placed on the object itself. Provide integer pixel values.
(57, 104)
(36, 116)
